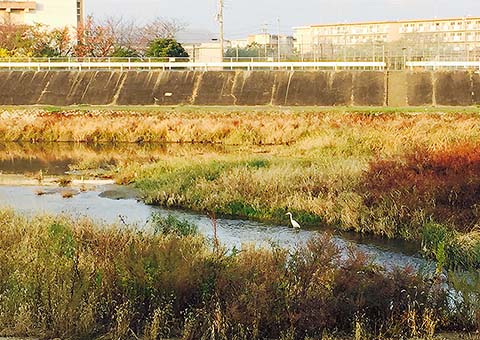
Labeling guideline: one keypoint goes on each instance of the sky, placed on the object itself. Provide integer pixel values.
(243, 17)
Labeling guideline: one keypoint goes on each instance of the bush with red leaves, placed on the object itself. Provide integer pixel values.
(445, 184)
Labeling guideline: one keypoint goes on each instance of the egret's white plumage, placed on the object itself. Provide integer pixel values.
(294, 223)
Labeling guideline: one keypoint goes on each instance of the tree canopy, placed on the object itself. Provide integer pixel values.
(112, 37)
(165, 47)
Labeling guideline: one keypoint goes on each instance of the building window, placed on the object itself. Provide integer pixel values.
(79, 11)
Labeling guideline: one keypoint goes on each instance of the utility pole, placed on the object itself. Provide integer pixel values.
(220, 22)
(266, 37)
(278, 40)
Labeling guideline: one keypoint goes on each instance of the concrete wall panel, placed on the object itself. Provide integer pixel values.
(80, 86)
(475, 89)
(21, 88)
(453, 88)
(175, 88)
(59, 89)
(254, 88)
(215, 88)
(420, 88)
(8, 87)
(342, 88)
(5, 85)
(397, 89)
(102, 88)
(34, 89)
(138, 88)
(239, 88)
(369, 88)
(280, 87)
(24, 84)
(309, 88)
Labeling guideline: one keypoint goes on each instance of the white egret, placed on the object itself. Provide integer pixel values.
(294, 223)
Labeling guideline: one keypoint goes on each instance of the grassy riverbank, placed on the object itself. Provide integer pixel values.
(72, 279)
(404, 174)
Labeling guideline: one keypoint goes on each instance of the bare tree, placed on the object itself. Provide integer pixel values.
(159, 28)
(125, 32)
(128, 34)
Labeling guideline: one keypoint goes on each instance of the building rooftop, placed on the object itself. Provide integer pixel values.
(387, 22)
(17, 5)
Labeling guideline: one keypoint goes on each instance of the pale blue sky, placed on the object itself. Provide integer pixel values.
(247, 16)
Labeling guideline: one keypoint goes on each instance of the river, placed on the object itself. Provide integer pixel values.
(108, 203)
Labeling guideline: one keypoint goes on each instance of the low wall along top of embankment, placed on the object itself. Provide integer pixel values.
(290, 88)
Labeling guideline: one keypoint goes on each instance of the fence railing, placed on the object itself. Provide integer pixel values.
(139, 65)
(94, 59)
(240, 65)
(435, 65)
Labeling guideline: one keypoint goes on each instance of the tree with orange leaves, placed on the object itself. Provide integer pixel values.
(94, 40)
(34, 41)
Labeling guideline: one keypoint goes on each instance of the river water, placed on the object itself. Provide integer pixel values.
(109, 203)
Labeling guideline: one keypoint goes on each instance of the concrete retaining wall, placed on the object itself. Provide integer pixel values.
(368, 88)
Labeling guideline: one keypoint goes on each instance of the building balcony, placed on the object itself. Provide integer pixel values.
(17, 5)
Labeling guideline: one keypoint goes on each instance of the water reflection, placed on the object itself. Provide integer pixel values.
(58, 158)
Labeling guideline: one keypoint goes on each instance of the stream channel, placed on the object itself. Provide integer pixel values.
(106, 202)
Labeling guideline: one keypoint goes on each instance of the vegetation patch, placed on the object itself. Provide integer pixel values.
(381, 171)
(444, 183)
(72, 279)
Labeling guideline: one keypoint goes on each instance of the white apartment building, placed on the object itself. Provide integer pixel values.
(454, 33)
(53, 13)
(207, 52)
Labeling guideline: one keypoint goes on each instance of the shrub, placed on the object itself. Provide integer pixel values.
(170, 225)
(445, 184)
(124, 52)
(71, 279)
(165, 47)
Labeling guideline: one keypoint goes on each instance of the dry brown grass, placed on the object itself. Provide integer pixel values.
(67, 194)
(239, 128)
(64, 278)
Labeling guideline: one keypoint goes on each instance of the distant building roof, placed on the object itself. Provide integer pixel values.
(387, 22)
(15, 5)
(196, 36)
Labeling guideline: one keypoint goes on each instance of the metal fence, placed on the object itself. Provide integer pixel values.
(397, 63)
(439, 65)
(181, 65)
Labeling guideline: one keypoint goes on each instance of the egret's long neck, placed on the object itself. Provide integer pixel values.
(291, 219)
